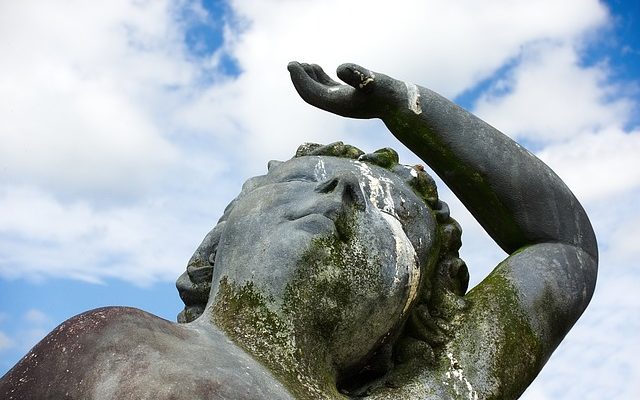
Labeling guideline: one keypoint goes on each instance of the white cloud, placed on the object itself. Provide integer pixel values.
(109, 113)
(30, 329)
(597, 165)
(92, 172)
(535, 393)
(623, 240)
(598, 357)
(116, 158)
(79, 82)
(35, 317)
(550, 97)
(5, 341)
(140, 243)
(447, 46)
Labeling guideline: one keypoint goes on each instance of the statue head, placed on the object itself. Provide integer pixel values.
(354, 247)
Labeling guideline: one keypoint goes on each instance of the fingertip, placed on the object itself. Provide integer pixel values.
(355, 76)
(344, 70)
(293, 65)
(350, 67)
(347, 66)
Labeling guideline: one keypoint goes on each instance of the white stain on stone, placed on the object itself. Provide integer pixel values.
(319, 171)
(364, 79)
(379, 189)
(406, 259)
(456, 373)
(413, 98)
(381, 198)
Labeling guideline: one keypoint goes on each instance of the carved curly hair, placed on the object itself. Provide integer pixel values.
(442, 289)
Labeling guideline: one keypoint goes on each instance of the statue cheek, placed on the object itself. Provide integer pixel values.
(354, 293)
(406, 269)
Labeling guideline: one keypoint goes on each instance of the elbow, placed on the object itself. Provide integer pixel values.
(585, 238)
(588, 272)
(574, 228)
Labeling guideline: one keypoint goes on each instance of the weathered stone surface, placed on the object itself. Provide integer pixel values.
(337, 274)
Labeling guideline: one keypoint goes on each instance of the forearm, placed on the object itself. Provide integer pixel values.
(516, 197)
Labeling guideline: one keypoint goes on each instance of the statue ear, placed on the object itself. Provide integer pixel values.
(455, 275)
(452, 271)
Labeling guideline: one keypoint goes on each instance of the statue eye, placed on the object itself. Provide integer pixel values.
(212, 257)
(298, 178)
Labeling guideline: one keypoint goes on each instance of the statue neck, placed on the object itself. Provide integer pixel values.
(277, 338)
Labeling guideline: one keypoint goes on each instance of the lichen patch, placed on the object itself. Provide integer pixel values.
(456, 376)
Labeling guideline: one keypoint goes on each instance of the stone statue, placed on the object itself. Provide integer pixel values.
(336, 275)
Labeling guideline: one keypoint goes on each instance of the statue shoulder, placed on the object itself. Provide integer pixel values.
(122, 352)
(516, 317)
(62, 362)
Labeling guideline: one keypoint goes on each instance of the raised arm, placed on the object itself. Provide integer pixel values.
(549, 277)
(515, 196)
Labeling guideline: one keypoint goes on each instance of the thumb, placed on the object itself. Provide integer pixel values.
(354, 75)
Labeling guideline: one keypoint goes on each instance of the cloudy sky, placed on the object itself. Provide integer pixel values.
(127, 126)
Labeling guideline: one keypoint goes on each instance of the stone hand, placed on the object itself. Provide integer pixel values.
(365, 95)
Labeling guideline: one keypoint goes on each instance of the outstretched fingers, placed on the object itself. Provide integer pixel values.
(308, 68)
(306, 83)
(320, 91)
(365, 95)
(322, 77)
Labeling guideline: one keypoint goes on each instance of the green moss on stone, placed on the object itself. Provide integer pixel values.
(331, 272)
(244, 314)
(416, 135)
(503, 346)
(385, 158)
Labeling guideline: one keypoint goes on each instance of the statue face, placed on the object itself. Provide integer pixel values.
(333, 244)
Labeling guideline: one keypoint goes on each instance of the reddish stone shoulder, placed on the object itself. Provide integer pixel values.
(57, 365)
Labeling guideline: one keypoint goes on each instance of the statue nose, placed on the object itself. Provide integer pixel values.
(347, 187)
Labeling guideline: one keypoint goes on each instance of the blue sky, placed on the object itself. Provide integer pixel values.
(127, 131)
